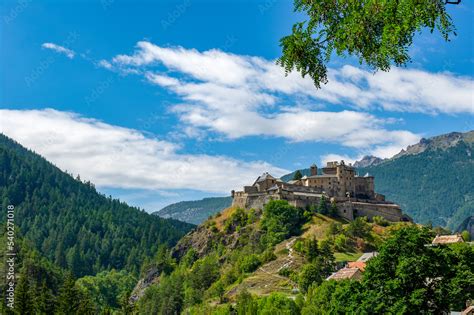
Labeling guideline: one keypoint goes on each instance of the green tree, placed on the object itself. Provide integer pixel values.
(310, 274)
(68, 302)
(378, 33)
(298, 175)
(277, 303)
(23, 297)
(245, 303)
(281, 220)
(323, 206)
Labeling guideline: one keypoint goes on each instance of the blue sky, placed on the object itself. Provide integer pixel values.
(178, 100)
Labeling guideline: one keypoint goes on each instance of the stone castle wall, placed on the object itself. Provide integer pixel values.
(347, 208)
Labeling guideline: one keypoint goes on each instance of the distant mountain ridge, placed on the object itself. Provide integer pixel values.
(195, 211)
(368, 160)
(441, 142)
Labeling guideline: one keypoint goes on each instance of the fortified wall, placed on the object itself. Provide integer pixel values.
(353, 195)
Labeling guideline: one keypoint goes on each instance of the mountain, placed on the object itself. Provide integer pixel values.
(432, 180)
(68, 222)
(368, 160)
(442, 142)
(196, 211)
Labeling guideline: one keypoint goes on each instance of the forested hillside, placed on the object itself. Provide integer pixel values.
(72, 225)
(433, 186)
(195, 211)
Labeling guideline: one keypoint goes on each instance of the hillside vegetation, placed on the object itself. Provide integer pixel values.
(276, 261)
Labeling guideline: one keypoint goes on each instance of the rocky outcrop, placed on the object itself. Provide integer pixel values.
(151, 277)
(441, 142)
(368, 160)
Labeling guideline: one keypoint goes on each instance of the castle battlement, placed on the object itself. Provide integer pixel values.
(354, 195)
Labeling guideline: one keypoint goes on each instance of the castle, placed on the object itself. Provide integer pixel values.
(353, 195)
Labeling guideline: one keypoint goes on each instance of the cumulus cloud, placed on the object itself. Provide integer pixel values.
(239, 96)
(59, 49)
(406, 90)
(112, 156)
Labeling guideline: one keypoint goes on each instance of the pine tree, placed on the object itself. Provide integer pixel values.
(323, 207)
(68, 302)
(297, 175)
(44, 300)
(23, 299)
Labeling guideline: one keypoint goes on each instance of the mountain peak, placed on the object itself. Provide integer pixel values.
(368, 160)
(441, 142)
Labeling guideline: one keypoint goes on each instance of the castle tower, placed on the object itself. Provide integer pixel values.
(314, 170)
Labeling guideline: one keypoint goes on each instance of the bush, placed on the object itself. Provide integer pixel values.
(380, 221)
(309, 275)
(237, 220)
(267, 255)
(250, 263)
(340, 243)
(285, 272)
(359, 228)
(281, 220)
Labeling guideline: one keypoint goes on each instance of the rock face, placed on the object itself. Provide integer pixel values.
(368, 160)
(441, 142)
(151, 277)
(467, 225)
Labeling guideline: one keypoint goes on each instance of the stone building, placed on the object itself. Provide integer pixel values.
(354, 195)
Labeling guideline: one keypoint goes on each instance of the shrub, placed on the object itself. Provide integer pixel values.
(380, 221)
(250, 263)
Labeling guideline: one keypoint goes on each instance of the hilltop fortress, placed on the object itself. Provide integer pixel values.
(353, 195)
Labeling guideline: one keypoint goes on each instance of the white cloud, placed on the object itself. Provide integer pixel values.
(59, 49)
(400, 89)
(238, 96)
(112, 156)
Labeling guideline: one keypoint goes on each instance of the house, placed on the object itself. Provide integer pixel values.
(367, 256)
(346, 273)
(357, 264)
(447, 239)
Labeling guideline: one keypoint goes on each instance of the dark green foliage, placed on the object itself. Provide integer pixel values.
(297, 175)
(196, 211)
(309, 275)
(359, 228)
(277, 303)
(250, 263)
(107, 288)
(69, 223)
(246, 304)
(406, 277)
(378, 33)
(323, 206)
(433, 186)
(71, 300)
(281, 220)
